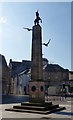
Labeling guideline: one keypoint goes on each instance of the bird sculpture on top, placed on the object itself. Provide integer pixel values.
(46, 44)
(27, 29)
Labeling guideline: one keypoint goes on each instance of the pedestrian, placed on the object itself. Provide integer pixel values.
(65, 96)
(61, 95)
(65, 92)
(46, 94)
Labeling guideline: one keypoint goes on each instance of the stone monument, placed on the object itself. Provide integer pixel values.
(36, 102)
(36, 84)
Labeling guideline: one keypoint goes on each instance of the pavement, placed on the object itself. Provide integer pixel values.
(65, 114)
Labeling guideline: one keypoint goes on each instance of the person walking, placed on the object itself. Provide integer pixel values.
(46, 94)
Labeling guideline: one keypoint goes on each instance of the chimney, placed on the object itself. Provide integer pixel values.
(23, 60)
(10, 60)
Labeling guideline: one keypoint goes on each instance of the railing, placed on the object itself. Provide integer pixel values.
(60, 97)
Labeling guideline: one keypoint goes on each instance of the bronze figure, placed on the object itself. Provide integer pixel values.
(36, 21)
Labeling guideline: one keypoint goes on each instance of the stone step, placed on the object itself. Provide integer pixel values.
(36, 111)
(41, 108)
(49, 107)
(36, 104)
(28, 107)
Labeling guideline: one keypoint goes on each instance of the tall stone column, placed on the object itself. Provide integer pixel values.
(36, 58)
(36, 84)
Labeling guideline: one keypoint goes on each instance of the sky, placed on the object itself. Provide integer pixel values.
(16, 42)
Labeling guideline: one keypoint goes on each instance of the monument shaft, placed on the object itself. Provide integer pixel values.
(36, 84)
(36, 68)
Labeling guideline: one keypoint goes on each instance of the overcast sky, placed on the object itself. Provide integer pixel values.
(56, 24)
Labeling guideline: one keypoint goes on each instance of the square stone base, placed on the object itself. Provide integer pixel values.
(36, 92)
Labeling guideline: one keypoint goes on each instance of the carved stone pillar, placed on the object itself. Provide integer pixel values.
(36, 84)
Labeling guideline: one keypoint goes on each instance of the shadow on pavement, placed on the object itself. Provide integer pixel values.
(8, 99)
(65, 113)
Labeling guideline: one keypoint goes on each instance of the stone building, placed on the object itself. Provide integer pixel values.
(53, 75)
(71, 81)
(56, 76)
(4, 76)
(22, 82)
(19, 78)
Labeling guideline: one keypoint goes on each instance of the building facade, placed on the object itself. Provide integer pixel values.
(53, 76)
(4, 76)
(19, 77)
(21, 85)
(71, 81)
